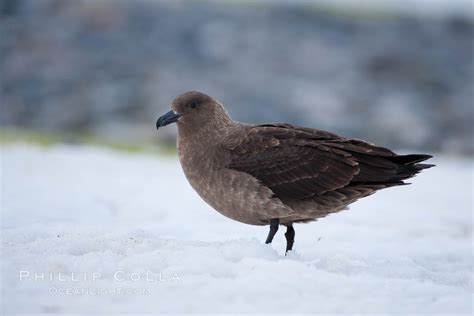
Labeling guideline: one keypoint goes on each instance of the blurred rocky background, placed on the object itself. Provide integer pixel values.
(397, 76)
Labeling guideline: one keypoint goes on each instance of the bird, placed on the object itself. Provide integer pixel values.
(277, 174)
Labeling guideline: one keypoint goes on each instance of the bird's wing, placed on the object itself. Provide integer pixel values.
(294, 162)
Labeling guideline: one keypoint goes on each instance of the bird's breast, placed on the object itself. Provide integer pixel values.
(234, 194)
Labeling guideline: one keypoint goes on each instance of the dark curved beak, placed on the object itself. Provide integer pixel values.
(168, 118)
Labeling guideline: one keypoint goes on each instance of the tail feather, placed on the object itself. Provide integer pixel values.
(409, 159)
(389, 171)
(421, 166)
(408, 165)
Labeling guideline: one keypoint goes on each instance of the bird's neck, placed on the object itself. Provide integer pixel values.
(208, 134)
(201, 149)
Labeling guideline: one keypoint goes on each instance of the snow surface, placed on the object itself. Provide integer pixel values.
(78, 212)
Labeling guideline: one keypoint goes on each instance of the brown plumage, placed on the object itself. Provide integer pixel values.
(271, 174)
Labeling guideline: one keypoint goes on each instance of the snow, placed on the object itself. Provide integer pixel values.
(99, 223)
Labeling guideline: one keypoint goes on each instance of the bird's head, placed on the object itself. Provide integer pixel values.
(192, 110)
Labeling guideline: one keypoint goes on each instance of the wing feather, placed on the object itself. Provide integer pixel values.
(299, 163)
(290, 162)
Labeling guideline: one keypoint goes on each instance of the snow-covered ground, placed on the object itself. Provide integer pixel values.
(94, 231)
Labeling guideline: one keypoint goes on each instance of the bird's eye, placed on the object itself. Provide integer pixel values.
(194, 104)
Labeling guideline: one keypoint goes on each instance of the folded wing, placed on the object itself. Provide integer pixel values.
(299, 163)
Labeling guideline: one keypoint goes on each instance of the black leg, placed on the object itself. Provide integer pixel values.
(273, 230)
(290, 237)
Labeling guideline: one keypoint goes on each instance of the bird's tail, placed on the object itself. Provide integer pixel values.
(409, 165)
(389, 171)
